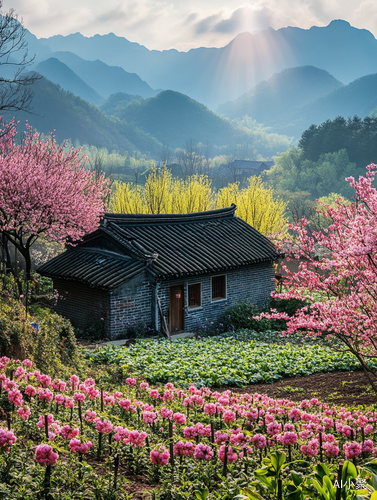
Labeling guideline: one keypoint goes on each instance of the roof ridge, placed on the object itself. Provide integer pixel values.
(168, 218)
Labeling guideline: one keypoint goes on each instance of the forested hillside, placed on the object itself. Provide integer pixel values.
(73, 118)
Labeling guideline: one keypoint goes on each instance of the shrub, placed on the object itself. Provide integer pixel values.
(52, 348)
(138, 331)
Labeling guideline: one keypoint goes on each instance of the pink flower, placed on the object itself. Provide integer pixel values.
(45, 395)
(149, 417)
(90, 415)
(59, 399)
(238, 439)
(125, 404)
(210, 409)
(169, 386)
(74, 381)
(160, 456)
(259, 441)
(288, 438)
(78, 447)
(352, 450)
(166, 414)
(130, 381)
(190, 432)
(118, 394)
(367, 446)
(79, 396)
(182, 449)
(137, 438)
(168, 396)
(105, 426)
(30, 390)
(45, 455)
(59, 385)
(179, 418)
(7, 438)
(68, 433)
(144, 386)
(41, 422)
(15, 397)
(232, 457)
(24, 412)
(229, 416)
(203, 452)
(109, 400)
(45, 380)
(221, 437)
(122, 434)
(310, 449)
(331, 450)
(154, 393)
(27, 363)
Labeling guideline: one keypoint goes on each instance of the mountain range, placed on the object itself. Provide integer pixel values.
(213, 76)
(106, 90)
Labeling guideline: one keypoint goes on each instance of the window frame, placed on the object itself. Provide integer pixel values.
(218, 299)
(196, 306)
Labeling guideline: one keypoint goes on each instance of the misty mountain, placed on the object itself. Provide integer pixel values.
(174, 118)
(274, 100)
(61, 74)
(73, 118)
(105, 79)
(217, 75)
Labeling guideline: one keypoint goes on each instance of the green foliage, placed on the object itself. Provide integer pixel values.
(221, 361)
(53, 348)
(294, 173)
(358, 137)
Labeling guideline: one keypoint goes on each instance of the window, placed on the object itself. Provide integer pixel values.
(218, 288)
(194, 295)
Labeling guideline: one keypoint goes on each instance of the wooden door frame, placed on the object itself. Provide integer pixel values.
(182, 311)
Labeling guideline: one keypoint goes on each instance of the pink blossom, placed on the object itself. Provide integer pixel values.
(45, 380)
(104, 426)
(74, 381)
(125, 404)
(168, 396)
(367, 446)
(68, 433)
(169, 386)
(179, 418)
(118, 394)
(24, 412)
(78, 447)
(149, 417)
(69, 403)
(229, 416)
(144, 385)
(122, 434)
(232, 457)
(203, 452)
(59, 399)
(288, 438)
(166, 414)
(259, 441)
(27, 363)
(90, 415)
(45, 455)
(138, 438)
(310, 449)
(221, 437)
(41, 422)
(210, 409)
(154, 393)
(15, 397)
(45, 395)
(274, 428)
(130, 381)
(182, 449)
(7, 438)
(160, 455)
(190, 432)
(331, 450)
(79, 396)
(352, 450)
(59, 385)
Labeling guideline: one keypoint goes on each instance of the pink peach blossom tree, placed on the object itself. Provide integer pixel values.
(337, 274)
(45, 189)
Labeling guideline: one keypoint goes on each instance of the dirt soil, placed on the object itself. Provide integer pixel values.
(339, 388)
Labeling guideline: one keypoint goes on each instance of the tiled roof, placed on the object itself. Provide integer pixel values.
(99, 269)
(168, 246)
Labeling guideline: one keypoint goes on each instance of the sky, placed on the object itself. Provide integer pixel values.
(182, 24)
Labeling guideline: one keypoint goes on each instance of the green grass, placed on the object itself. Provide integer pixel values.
(224, 360)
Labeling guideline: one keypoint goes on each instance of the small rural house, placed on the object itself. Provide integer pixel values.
(168, 271)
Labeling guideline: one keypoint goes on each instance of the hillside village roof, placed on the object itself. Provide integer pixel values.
(167, 246)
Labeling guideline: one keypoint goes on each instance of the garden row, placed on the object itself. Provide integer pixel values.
(192, 442)
(233, 360)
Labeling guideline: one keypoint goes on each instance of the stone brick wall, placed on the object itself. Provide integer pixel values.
(131, 303)
(82, 304)
(253, 283)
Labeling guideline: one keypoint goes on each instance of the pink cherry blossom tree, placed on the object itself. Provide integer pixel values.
(337, 274)
(46, 190)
